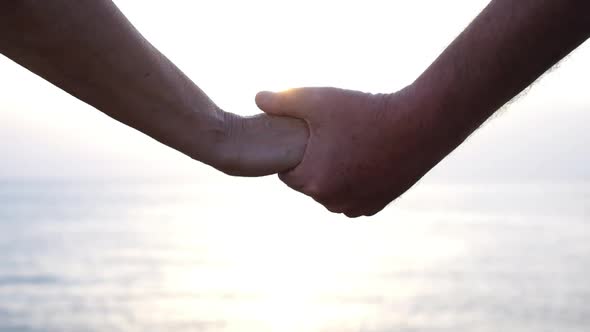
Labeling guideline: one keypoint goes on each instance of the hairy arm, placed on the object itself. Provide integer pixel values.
(90, 50)
(504, 50)
(366, 150)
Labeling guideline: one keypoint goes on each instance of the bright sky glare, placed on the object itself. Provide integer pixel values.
(232, 49)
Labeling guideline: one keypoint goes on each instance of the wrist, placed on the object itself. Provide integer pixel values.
(420, 121)
(445, 114)
(205, 136)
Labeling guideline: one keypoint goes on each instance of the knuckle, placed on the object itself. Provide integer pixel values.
(353, 215)
(366, 210)
(323, 194)
(292, 182)
(322, 186)
(371, 213)
(284, 177)
(334, 209)
(316, 190)
(374, 210)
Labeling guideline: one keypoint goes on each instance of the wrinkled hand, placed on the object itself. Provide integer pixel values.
(364, 150)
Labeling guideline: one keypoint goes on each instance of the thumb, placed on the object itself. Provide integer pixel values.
(294, 102)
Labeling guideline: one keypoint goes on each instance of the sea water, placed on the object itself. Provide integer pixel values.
(193, 255)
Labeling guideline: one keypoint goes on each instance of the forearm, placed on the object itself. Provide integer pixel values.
(90, 50)
(504, 50)
(368, 149)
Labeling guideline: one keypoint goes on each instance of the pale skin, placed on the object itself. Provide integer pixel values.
(366, 150)
(90, 50)
(353, 152)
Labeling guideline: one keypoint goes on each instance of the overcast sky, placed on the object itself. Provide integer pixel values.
(232, 49)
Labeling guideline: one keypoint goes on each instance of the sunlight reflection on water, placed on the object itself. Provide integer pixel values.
(210, 256)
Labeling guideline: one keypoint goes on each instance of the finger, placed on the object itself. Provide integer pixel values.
(354, 214)
(293, 102)
(366, 208)
(291, 181)
(373, 210)
(298, 179)
(334, 208)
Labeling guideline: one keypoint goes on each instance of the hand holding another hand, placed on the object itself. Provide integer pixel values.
(364, 150)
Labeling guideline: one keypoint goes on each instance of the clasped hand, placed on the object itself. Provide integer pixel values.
(362, 151)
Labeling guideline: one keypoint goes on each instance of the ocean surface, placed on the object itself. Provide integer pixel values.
(216, 255)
